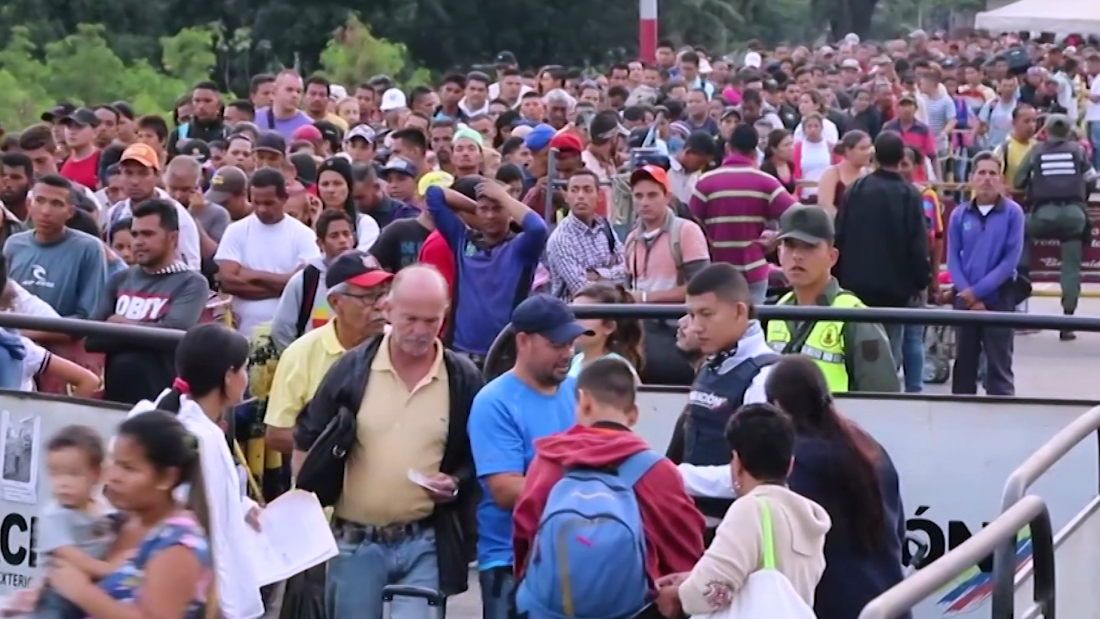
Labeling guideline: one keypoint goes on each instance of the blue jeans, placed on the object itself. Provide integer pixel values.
(358, 574)
(912, 358)
(759, 291)
(1094, 139)
(498, 598)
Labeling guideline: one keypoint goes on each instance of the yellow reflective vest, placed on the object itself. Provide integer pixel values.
(825, 344)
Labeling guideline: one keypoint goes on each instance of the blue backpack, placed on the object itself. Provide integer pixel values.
(588, 557)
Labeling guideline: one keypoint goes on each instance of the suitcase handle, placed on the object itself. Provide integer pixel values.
(433, 596)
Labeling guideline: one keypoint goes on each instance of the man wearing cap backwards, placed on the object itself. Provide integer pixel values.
(1054, 173)
(82, 164)
(355, 293)
(532, 400)
(567, 162)
(854, 356)
(466, 156)
(139, 165)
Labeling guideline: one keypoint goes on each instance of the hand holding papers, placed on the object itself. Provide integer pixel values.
(294, 536)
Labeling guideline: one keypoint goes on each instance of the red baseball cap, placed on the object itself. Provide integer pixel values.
(567, 141)
(653, 173)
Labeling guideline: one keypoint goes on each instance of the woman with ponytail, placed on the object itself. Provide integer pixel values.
(620, 339)
(168, 572)
(212, 374)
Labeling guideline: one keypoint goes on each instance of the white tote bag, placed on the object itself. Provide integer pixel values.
(767, 593)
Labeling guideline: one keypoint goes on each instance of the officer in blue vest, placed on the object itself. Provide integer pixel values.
(1054, 173)
(723, 322)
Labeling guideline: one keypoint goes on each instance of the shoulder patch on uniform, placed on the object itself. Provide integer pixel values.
(870, 350)
(830, 335)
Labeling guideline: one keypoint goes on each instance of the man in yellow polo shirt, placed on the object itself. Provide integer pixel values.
(355, 290)
(1019, 142)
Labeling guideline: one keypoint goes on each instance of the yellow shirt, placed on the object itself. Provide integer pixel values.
(301, 367)
(1013, 153)
(398, 429)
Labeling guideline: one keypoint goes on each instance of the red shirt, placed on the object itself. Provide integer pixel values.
(436, 252)
(672, 524)
(84, 171)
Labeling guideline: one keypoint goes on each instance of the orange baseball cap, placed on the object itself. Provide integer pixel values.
(141, 153)
(653, 173)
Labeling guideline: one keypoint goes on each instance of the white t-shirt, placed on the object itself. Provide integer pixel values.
(1092, 111)
(189, 251)
(24, 302)
(367, 231)
(277, 248)
(828, 132)
(35, 361)
(816, 158)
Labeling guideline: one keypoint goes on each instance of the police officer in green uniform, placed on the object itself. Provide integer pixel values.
(854, 356)
(1054, 174)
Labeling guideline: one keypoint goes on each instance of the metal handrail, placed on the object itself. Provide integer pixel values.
(885, 315)
(1030, 510)
(1021, 480)
(146, 336)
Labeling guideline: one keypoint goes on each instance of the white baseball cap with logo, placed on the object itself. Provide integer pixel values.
(392, 99)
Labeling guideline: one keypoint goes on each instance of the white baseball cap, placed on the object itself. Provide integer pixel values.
(753, 59)
(392, 99)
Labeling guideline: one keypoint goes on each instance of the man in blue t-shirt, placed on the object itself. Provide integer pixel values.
(494, 266)
(532, 400)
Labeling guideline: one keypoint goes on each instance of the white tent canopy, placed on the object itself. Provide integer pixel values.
(1058, 16)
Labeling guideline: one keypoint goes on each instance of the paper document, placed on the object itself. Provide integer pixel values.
(294, 536)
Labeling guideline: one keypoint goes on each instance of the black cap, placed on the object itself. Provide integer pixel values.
(397, 165)
(198, 149)
(505, 58)
(305, 167)
(329, 131)
(271, 141)
(356, 268)
(58, 112)
(806, 223)
(82, 117)
(605, 126)
(548, 316)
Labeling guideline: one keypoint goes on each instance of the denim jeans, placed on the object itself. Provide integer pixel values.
(912, 358)
(759, 291)
(498, 598)
(1094, 139)
(358, 574)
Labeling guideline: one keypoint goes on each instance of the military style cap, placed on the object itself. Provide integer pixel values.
(809, 224)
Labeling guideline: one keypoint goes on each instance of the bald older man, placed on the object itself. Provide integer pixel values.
(406, 512)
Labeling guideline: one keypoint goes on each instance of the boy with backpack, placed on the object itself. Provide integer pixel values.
(619, 507)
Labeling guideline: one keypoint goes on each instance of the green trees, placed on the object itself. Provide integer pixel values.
(83, 69)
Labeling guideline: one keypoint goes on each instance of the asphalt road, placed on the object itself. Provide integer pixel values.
(1044, 367)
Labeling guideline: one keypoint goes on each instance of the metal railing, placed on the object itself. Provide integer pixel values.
(1004, 564)
(994, 538)
(883, 315)
(147, 337)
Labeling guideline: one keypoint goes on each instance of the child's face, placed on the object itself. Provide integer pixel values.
(72, 476)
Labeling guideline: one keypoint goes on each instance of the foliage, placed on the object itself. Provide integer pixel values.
(83, 69)
(354, 54)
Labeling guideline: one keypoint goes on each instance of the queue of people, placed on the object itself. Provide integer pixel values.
(366, 255)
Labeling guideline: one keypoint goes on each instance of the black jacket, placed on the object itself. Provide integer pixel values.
(883, 240)
(455, 523)
(207, 131)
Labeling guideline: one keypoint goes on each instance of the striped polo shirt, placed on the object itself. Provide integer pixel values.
(734, 203)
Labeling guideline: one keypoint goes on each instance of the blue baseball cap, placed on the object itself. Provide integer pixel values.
(540, 137)
(548, 316)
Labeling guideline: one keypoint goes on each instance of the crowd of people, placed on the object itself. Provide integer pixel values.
(368, 255)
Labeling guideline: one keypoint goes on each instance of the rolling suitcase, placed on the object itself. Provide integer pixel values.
(437, 602)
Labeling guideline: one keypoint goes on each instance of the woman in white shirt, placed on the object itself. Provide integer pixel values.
(813, 154)
(334, 187)
(810, 102)
(212, 365)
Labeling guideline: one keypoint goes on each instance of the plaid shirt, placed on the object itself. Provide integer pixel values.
(575, 248)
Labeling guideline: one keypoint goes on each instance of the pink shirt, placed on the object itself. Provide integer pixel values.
(651, 266)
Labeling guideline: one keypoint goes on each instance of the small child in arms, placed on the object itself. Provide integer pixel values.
(75, 528)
